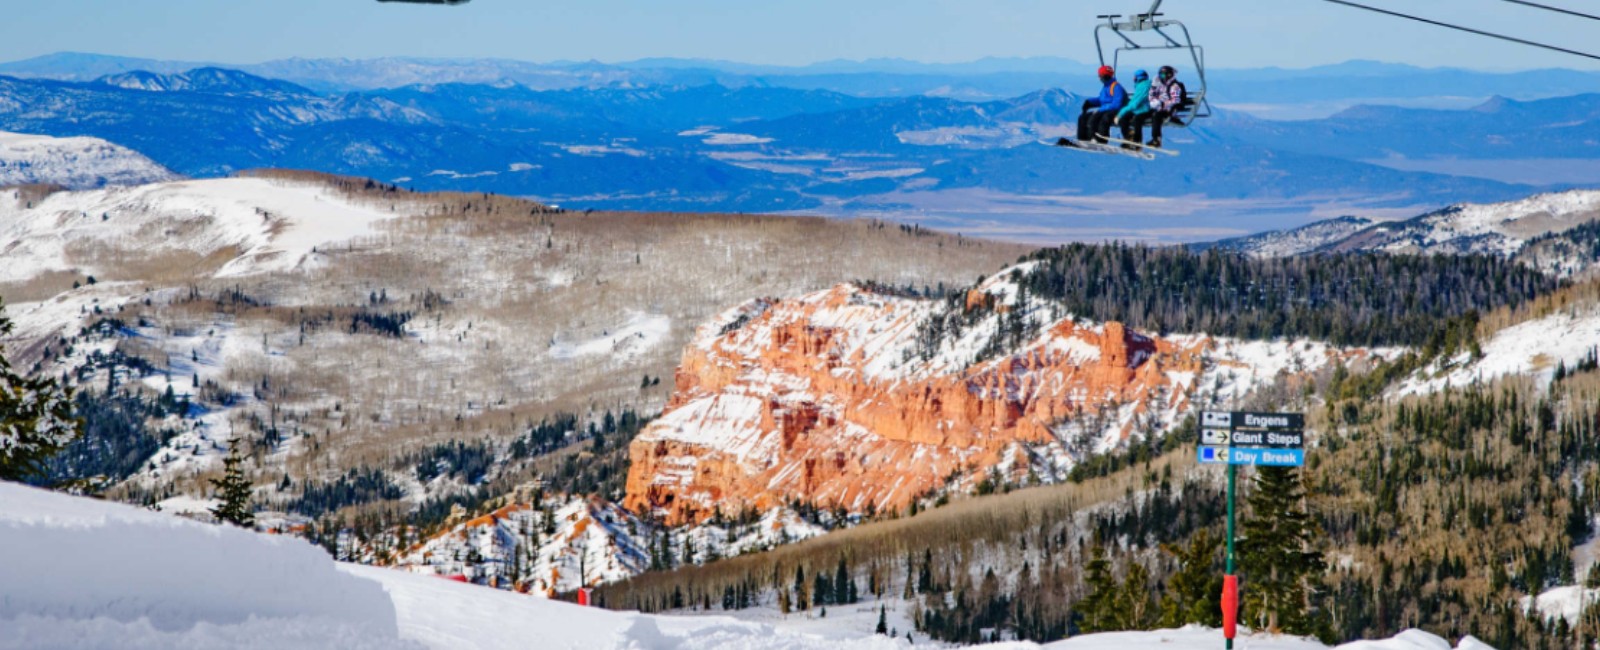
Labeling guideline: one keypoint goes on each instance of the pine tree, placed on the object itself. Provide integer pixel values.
(1134, 609)
(36, 418)
(233, 491)
(822, 593)
(1194, 593)
(1278, 555)
(801, 602)
(843, 586)
(1097, 608)
(883, 621)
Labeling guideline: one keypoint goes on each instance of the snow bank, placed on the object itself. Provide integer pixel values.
(1416, 640)
(82, 573)
(1566, 602)
(450, 615)
(79, 573)
(1187, 637)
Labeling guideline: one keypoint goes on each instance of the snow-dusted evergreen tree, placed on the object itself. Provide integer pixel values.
(1097, 609)
(1278, 555)
(1193, 593)
(36, 417)
(233, 492)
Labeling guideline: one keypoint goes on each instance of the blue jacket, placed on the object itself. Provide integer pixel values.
(1112, 97)
(1139, 104)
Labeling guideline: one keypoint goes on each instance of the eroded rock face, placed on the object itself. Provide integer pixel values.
(837, 399)
(804, 400)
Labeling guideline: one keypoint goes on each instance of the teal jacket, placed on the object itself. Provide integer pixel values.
(1139, 103)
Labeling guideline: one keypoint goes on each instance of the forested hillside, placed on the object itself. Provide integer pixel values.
(1440, 510)
(379, 355)
(1349, 299)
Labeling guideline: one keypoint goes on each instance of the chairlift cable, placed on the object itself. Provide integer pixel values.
(1558, 10)
(1468, 30)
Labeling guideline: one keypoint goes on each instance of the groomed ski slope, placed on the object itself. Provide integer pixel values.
(84, 574)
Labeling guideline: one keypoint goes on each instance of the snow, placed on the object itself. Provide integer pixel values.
(1416, 640)
(276, 224)
(1506, 225)
(729, 139)
(1501, 229)
(592, 150)
(866, 337)
(1535, 347)
(81, 573)
(637, 334)
(590, 544)
(84, 573)
(1187, 637)
(1565, 602)
(74, 163)
(1299, 241)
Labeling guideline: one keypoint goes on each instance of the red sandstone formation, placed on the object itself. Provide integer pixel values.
(822, 399)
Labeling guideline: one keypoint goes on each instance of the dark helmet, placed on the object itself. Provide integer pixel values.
(1168, 72)
(1106, 72)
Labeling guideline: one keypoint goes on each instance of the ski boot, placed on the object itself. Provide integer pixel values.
(1154, 143)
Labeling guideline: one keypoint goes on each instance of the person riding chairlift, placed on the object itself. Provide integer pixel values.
(1136, 112)
(1167, 96)
(1101, 112)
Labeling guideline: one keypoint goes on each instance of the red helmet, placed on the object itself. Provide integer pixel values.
(1106, 71)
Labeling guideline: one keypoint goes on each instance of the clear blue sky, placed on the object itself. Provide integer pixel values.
(1237, 33)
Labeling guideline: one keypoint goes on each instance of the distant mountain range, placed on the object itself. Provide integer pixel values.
(1306, 91)
(968, 166)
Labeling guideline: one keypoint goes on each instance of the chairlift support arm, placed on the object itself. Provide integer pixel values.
(1174, 35)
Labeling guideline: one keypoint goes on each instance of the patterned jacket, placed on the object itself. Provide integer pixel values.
(1168, 96)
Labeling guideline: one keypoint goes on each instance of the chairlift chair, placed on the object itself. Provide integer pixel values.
(1134, 35)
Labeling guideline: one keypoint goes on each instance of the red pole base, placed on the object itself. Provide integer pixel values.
(1230, 606)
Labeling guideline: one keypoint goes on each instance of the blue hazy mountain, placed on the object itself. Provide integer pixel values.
(993, 78)
(82, 66)
(748, 148)
(1567, 127)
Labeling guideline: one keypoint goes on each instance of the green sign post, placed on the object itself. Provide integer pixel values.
(1235, 438)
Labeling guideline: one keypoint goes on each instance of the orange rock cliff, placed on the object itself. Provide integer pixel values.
(828, 399)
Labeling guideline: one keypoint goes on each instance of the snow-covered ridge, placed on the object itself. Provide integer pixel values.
(273, 224)
(1500, 229)
(74, 163)
(1535, 348)
(564, 543)
(1297, 241)
(79, 573)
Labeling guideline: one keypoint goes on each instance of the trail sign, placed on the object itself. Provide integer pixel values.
(1253, 456)
(1268, 439)
(1247, 438)
(1252, 430)
(1267, 421)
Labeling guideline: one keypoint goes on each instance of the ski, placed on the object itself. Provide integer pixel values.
(1095, 147)
(1169, 152)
